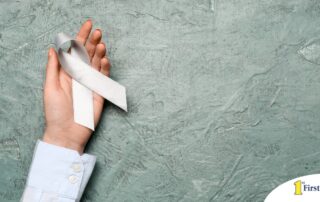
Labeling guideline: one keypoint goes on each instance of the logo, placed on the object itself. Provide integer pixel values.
(301, 189)
(301, 186)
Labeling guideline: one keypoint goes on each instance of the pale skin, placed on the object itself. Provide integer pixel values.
(61, 130)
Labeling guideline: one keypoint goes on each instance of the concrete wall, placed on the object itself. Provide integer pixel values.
(223, 96)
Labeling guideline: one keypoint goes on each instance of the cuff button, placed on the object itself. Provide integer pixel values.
(76, 167)
(73, 179)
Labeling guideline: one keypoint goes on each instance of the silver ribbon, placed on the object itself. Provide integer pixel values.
(86, 79)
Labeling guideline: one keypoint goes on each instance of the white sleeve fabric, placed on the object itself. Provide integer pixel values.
(57, 174)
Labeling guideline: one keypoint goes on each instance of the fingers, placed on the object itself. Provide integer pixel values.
(92, 42)
(84, 32)
(52, 70)
(98, 55)
(105, 66)
(95, 48)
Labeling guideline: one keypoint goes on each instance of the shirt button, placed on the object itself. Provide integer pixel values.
(73, 179)
(76, 167)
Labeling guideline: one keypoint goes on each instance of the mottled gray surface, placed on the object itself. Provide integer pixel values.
(223, 96)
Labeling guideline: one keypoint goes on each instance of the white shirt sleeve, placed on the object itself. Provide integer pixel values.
(57, 174)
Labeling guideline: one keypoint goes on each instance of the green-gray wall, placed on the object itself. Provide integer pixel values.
(223, 95)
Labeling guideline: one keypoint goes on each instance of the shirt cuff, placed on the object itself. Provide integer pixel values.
(59, 170)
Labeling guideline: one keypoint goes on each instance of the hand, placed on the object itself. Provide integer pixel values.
(61, 129)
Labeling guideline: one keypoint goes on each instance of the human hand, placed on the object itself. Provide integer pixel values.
(60, 128)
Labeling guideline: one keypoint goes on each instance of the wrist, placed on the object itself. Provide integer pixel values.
(62, 141)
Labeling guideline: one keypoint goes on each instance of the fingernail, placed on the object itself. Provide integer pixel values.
(101, 44)
(50, 52)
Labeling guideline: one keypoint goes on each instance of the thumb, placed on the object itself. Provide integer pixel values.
(52, 71)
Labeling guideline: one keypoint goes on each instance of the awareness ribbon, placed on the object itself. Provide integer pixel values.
(85, 80)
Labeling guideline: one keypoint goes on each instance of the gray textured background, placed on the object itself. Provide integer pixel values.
(223, 95)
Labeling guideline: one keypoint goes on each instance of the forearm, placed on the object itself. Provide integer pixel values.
(57, 173)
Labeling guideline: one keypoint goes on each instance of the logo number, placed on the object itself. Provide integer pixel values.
(297, 185)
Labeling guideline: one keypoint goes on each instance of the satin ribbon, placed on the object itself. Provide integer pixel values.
(85, 80)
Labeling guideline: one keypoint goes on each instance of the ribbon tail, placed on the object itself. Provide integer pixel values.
(82, 105)
(97, 82)
(82, 101)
